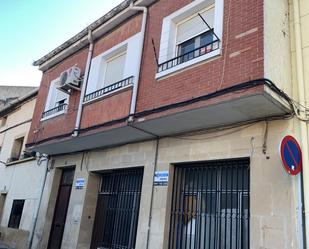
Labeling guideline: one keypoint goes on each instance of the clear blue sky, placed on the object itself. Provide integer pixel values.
(29, 29)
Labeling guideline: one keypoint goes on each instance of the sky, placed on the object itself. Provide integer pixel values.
(29, 29)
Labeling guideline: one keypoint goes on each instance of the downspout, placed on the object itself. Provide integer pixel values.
(39, 206)
(304, 178)
(139, 55)
(84, 86)
(152, 191)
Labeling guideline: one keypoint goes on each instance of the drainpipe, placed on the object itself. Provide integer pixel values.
(303, 125)
(39, 205)
(139, 55)
(84, 86)
(152, 191)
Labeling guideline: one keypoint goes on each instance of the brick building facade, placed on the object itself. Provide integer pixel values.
(185, 89)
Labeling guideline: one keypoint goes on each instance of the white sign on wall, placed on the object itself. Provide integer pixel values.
(80, 183)
(161, 178)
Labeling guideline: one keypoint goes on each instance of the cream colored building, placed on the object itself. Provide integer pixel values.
(21, 173)
(299, 35)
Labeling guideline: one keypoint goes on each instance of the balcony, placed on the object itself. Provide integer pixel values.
(109, 89)
(196, 53)
(54, 111)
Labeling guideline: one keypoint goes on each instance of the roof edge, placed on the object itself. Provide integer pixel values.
(19, 101)
(82, 34)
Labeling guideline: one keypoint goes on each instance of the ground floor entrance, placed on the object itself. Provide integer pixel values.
(219, 190)
(60, 214)
(117, 209)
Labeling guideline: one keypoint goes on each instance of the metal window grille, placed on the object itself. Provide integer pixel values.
(210, 206)
(117, 209)
(108, 89)
(195, 53)
(54, 110)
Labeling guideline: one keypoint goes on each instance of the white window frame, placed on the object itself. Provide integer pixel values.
(53, 90)
(97, 69)
(168, 45)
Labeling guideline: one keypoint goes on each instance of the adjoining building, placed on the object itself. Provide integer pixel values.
(11, 93)
(163, 121)
(22, 174)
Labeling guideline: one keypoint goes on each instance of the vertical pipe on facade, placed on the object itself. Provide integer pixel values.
(139, 55)
(303, 125)
(84, 86)
(152, 190)
(39, 206)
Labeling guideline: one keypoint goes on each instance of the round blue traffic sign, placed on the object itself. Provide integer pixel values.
(291, 155)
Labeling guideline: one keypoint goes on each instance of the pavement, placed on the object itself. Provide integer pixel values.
(4, 246)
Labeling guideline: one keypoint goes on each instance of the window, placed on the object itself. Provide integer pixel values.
(3, 121)
(114, 69)
(190, 35)
(193, 31)
(16, 213)
(117, 209)
(57, 101)
(17, 149)
(192, 44)
(210, 207)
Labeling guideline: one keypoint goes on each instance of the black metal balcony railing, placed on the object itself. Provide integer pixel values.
(52, 111)
(189, 56)
(108, 89)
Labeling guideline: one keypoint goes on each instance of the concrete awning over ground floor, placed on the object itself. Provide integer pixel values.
(251, 104)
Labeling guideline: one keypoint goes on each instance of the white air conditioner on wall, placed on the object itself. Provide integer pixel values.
(69, 80)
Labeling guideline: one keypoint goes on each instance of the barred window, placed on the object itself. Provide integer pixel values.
(210, 206)
(117, 209)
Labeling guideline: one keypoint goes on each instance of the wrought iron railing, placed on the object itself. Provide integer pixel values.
(52, 111)
(113, 87)
(189, 56)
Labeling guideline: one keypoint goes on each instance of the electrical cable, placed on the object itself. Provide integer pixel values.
(232, 89)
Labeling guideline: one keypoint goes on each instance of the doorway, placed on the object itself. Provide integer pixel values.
(117, 211)
(61, 208)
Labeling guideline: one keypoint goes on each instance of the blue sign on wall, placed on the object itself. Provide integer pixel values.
(161, 178)
(291, 155)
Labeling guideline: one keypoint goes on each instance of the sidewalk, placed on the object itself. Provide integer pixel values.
(4, 246)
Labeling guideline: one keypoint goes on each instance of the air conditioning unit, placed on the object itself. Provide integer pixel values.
(69, 80)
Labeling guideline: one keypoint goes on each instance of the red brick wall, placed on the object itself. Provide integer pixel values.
(63, 124)
(111, 108)
(206, 78)
(224, 71)
(122, 33)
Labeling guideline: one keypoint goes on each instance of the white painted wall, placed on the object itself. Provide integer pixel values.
(22, 180)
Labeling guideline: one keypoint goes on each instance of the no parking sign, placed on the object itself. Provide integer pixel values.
(291, 155)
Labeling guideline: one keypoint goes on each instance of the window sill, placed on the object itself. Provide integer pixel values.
(20, 161)
(104, 96)
(189, 63)
(53, 115)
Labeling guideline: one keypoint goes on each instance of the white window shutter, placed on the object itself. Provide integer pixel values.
(114, 69)
(60, 96)
(195, 25)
